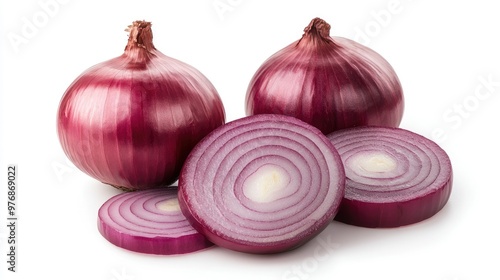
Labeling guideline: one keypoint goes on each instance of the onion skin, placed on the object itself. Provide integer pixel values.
(217, 172)
(131, 121)
(331, 83)
(418, 190)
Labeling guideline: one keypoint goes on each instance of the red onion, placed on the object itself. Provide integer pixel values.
(394, 177)
(149, 221)
(329, 82)
(131, 121)
(262, 184)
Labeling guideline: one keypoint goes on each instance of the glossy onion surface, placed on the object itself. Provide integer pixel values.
(131, 121)
(394, 177)
(262, 184)
(329, 82)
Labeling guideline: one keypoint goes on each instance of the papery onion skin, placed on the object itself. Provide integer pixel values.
(131, 121)
(329, 82)
(169, 234)
(214, 177)
(392, 204)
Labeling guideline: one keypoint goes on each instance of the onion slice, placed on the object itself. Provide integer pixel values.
(149, 221)
(394, 177)
(262, 184)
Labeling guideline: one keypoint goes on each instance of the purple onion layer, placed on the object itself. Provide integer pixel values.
(394, 177)
(262, 184)
(149, 221)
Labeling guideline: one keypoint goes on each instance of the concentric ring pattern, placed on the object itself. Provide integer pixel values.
(264, 183)
(149, 221)
(409, 178)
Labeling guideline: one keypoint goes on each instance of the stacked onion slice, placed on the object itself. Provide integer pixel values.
(394, 177)
(262, 184)
(149, 221)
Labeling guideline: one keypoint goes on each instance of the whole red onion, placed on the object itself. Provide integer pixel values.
(131, 121)
(329, 82)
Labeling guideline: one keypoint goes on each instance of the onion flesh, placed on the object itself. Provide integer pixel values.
(262, 184)
(394, 177)
(329, 82)
(131, 121)
(149, 221)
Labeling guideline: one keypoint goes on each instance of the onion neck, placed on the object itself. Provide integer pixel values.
(140, 41)
(140, 35)
(318, 30)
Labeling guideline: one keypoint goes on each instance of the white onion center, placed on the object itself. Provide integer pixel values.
(169, 205)
(373, 162)
(266, 184)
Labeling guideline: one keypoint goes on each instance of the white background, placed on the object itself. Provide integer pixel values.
(443, 52)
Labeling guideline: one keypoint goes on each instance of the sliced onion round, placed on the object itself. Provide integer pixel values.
(394, 177)
(262, 184)
(149, 221)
